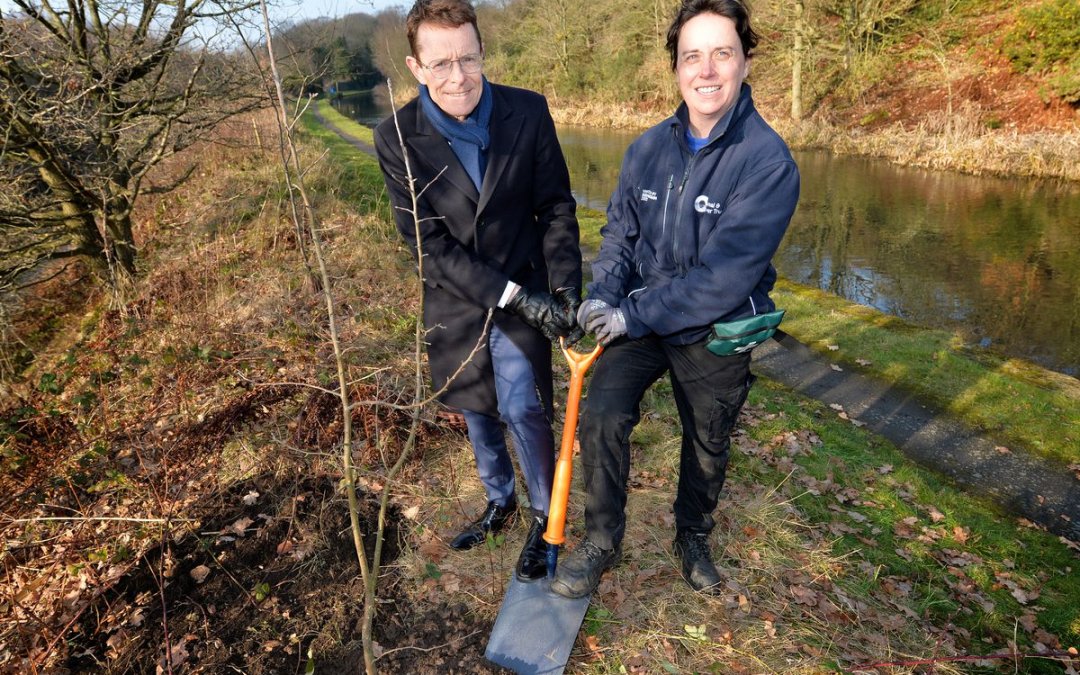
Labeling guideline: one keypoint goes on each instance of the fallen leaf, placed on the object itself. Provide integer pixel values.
(200, 573)
(696, 632)
(434, 550)
(450, 582)
(241, 525)
(836, 367)
(411, 512)
(1028, 622)
(115, 641)
(592, 642)
(857, 517)
(136, 619)
(804, 596)
(250, 498)
(178, 655)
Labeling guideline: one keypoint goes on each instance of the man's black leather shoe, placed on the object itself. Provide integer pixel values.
(532, 563)
(493, 520)
(578, 575)
(697, 565)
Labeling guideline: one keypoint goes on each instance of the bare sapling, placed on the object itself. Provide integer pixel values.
(306, 214)
(306, 220)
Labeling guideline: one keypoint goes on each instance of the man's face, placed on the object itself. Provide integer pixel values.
(710, 68)
(459, 93)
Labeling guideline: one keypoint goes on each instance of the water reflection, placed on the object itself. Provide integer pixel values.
(366, 107)
(994, 259)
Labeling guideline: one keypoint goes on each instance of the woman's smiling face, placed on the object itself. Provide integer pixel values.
(710, 68)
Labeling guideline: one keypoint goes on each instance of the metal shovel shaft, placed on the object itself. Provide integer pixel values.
(560, 490)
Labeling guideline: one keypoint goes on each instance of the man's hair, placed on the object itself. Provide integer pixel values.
(736, 10)
(443, 13)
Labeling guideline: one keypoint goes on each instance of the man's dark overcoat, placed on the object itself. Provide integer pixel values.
(520, 226)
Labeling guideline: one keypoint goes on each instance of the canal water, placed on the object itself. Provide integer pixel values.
(996, 260)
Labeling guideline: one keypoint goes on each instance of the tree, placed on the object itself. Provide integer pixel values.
(389, 47)
(864, 23)
(93, 96)
(796, 61)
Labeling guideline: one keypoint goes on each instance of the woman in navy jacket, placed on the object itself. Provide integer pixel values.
(702, 203)
(498, 233)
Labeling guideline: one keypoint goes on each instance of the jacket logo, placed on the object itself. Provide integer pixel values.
(703, 205)
(648, 195)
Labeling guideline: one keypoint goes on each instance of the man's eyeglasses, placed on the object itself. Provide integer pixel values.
(470, 64)
(696, 59)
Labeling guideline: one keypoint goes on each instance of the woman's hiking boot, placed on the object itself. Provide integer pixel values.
(578, 575)
(698, 569)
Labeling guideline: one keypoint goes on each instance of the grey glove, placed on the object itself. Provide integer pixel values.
(606, 324)
(588, 308)
(543, 312)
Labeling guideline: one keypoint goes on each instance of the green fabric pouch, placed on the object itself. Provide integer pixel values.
(742, 335)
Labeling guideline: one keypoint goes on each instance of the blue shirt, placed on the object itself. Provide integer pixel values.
(694, 142)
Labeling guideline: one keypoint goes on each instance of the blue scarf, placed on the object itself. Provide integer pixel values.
(469, 139)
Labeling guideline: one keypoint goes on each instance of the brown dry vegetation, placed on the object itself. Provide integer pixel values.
(170, 483)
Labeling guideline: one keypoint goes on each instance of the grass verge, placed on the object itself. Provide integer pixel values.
(1014, 401)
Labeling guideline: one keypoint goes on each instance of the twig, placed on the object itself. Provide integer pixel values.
(426, 650)
(93, 519)
(966, 658)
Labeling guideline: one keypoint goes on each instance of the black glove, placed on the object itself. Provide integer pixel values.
(541, 311)
(570, 298)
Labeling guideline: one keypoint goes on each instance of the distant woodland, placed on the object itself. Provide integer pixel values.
(814, 53)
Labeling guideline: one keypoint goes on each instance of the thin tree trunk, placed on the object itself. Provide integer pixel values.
(796, 63)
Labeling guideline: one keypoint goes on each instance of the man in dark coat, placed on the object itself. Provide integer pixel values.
(498, 234)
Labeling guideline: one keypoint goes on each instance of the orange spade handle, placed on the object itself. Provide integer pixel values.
(564, 467)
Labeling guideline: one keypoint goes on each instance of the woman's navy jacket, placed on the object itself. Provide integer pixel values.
(690, 238)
